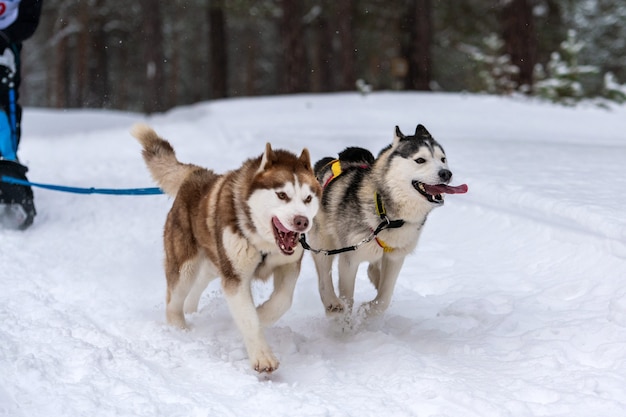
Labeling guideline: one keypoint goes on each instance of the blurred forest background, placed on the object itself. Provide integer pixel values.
(150, 55)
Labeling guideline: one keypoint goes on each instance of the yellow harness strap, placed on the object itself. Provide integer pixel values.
(382, 244)
(380, 211)
(336, 168)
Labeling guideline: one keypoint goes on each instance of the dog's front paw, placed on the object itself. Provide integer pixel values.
(264, 362)
(372, 309)
(333, 304)
(176, 319)
(334, 309)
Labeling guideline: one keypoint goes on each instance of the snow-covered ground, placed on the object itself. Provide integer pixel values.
(514, 303)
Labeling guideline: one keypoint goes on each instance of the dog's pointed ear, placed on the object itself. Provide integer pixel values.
(268, 158)
(305, 158)
(398, 135)
(421, 132)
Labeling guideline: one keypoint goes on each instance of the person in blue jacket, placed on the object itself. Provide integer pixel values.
(18, 22)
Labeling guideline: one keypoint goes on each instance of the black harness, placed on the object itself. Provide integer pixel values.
(385, 223)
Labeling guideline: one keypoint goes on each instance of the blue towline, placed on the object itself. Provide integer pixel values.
(89, 190)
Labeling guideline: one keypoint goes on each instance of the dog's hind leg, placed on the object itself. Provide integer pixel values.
(206, 274)
(373, 272)
(285, 278)
(323, 266)
(179, 283)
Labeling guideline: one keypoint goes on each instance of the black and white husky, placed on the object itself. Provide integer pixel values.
(375, 209)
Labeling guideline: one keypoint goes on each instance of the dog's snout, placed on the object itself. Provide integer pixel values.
(445, 175)
(301, 223)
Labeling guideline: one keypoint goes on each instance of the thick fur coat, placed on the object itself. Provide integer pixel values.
(402, 185)
(241, 225)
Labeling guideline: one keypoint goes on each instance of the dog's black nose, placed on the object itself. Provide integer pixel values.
(301, 223)
(445, 175)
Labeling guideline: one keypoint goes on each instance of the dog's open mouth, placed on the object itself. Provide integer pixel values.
(434, 193)
(285, 238)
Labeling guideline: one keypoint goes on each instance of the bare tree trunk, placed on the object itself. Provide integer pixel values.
(98, 65)
(518, 32)
(154, 91)
(59, 77)
(322, 54)
(251, 60)
(294, 53)
(419, 25)
(82, 53)
(345, 16)
(218, 50)
(199, 71)
(317, 56)
(326, 56)
(174, 61)
(123, 85)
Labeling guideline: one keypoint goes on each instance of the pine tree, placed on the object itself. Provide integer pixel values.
(613, 90)
(563, 82)
(495, 70)
(602, 24)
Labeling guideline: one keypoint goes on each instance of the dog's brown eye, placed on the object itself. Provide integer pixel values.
(443, 160)
(420, 160)
(281, 195)
(308, 199)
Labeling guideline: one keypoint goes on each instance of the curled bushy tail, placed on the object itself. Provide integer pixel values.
(161, 160)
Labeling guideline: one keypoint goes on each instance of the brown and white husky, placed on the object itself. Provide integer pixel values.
(242, 225)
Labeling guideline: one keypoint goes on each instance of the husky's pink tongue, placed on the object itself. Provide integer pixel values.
(446, 189)
(285, 238)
